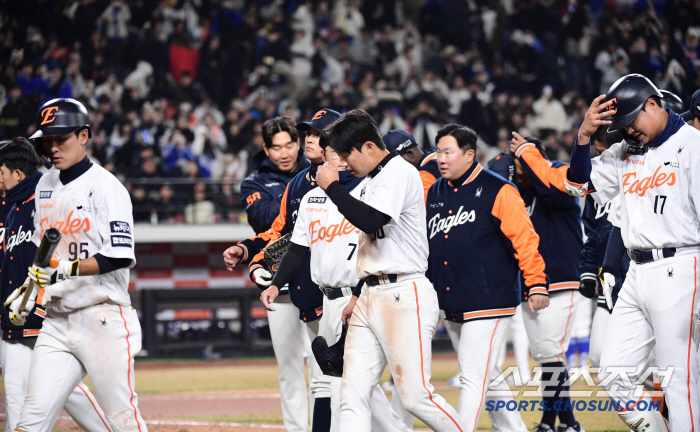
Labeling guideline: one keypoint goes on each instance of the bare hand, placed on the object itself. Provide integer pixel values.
(516, 142)
(594, 119)
(347, 312)
(232, 256)
(537, 302)
(325, 175)
(268, 296)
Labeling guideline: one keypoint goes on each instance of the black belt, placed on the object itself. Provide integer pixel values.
(641, 257)
(334, 293)
(374, 280)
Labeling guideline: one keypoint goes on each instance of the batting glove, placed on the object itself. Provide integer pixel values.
(262, 277)
(14, 301)
(45, 276)
(607, 281)
(589, 285)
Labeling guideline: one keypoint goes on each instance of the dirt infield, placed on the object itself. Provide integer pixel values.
(167, 412)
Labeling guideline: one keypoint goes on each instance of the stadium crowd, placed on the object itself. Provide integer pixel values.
(178, 89)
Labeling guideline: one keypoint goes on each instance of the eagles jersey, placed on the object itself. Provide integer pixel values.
(94, 215)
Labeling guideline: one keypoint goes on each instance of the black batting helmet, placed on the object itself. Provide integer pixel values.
(672, 101)
(330, 358)
(629, 94)
(60, 117)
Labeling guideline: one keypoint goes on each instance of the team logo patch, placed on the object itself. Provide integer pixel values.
(613, 106)
(317, 200)
(397, 297)
(669, 270)
(478, 192)
(45, 194)
(48, 115)
(120, 227)
(121, 241)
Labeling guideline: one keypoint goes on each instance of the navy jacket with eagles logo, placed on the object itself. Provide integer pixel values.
(555, 215)
(18, 253)
(480, 236)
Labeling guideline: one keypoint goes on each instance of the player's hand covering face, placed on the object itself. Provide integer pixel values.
(325, 175)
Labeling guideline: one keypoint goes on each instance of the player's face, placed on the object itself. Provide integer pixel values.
(452, 161)
(359, 163)
(646, 126)
(9, 178)
(600, 146)
(312, 149)
(333, 159)
(64, 151)
(283, 152)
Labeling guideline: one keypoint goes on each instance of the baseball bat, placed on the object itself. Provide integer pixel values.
(48, 245)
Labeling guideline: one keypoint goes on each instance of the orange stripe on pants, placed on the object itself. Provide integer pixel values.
(93, 405)
(690, 338)
(128, 376)
(566, 329)
(422, 369)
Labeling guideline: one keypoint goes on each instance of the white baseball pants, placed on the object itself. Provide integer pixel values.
(480, 345)
(655, 309)
(521, 346)
(549, 329)
(393, 323)
(15, 357)
(99, 340)
(330, 327)
(601, 319)
(291, 344)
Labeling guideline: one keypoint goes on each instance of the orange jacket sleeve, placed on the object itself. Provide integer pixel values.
(270, 235)
(428, 180)
(542, 168)
(509, 208)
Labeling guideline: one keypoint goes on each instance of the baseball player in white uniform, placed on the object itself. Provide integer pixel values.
(19, 173)
(397, 313)
(90, 326)
(333, 242)
(654, 170)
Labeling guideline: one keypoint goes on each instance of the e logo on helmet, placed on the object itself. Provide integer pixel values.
(613, 106)
(49, 114)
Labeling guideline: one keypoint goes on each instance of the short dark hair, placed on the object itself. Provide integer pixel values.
(19, 154)
(276, 125)
(351, 131)
(465, 136)
(538, 143)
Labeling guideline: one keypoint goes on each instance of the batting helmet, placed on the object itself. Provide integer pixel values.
(672, 101)
(60, 117)
(629, 94)
(330, 358)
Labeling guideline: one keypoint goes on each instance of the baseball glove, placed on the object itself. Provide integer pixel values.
(275, 250)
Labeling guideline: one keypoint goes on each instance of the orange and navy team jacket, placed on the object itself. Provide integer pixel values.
(555, 215)
(428, 170)
(261, 192)
(303, 292)
(18, 253)
(480, 236)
